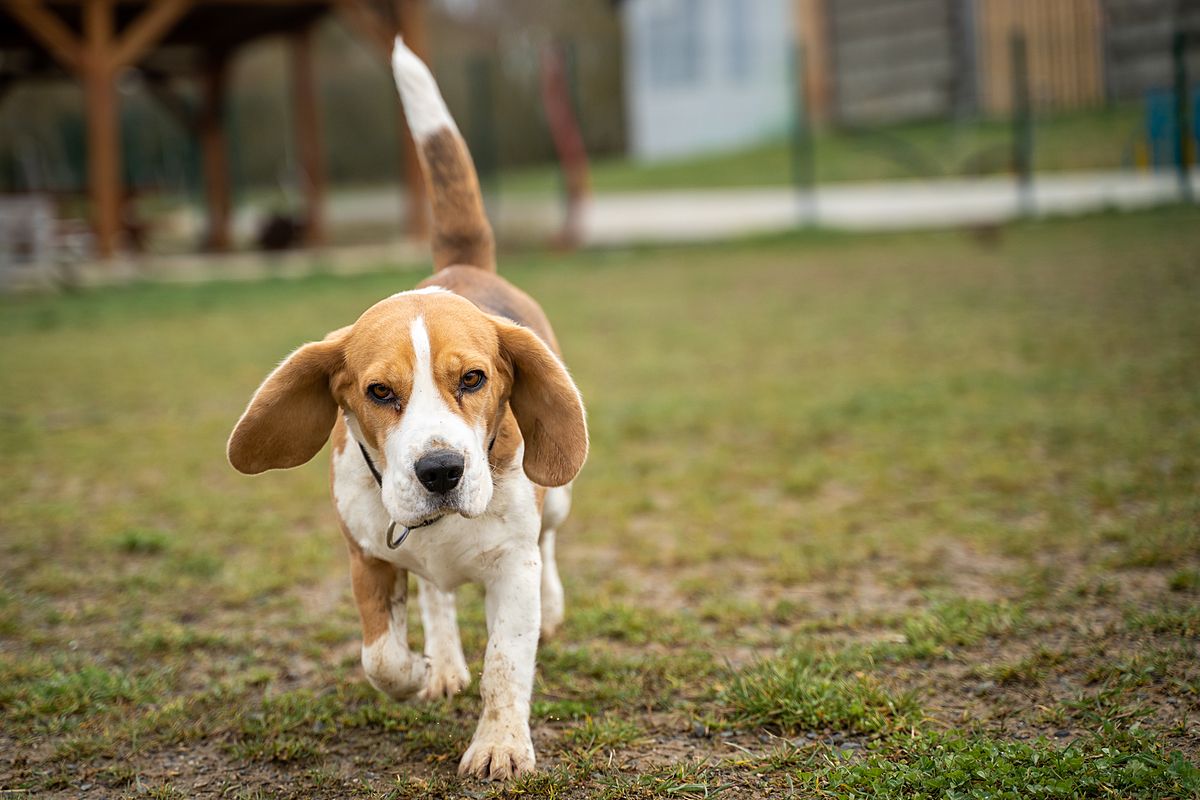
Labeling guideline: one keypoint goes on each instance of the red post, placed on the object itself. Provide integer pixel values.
(568, 142)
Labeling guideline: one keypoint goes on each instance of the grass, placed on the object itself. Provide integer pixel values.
(948, 624)
(910, 515)
(1086, 140)
(802, 691)
(953, 766)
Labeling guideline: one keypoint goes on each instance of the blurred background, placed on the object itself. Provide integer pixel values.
(886, 313)
(178, 127)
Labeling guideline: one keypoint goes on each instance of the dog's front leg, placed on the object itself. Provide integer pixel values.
(448, 674)
(381, 592)
(502, 747)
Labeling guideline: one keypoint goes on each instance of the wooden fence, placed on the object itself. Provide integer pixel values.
(877, 60)
(1065, 43)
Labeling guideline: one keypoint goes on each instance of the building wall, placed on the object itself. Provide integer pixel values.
(705, 75)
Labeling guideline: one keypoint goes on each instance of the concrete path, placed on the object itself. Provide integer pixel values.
(618, 219)
(711, 214)
(718, 214)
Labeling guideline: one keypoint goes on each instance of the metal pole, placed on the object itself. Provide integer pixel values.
(483, 124)
(966, 86)
(803, 149)
(1183, 118)
(1022, 125)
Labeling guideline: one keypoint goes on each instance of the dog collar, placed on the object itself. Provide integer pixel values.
(393, 541)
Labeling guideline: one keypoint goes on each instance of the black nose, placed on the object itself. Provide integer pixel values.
(439, 471)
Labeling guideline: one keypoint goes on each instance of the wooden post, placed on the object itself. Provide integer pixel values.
(307, 124)
(147, 29)
(813, 39)
(103, 124)
(378, 32)
(97, 59)
(214, 148)
(411, 18)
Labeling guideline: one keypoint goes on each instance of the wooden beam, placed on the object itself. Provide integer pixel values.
(307, 126)
(146, 31)
(215, 152)
(62, 43)
(410, 14)
(103, 126)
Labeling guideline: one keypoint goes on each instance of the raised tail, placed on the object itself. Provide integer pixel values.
(461, 232)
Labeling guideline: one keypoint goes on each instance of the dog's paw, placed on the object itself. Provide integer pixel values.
(394, 670)
(445, 680)
(498, 757)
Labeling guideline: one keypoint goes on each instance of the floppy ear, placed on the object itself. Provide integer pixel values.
(290, 416)
(547, 406)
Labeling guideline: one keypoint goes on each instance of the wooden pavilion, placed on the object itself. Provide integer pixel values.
(94, 41)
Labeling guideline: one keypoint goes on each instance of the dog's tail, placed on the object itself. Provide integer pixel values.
(461, 232)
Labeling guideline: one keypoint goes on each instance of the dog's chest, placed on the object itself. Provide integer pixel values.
(452, 551)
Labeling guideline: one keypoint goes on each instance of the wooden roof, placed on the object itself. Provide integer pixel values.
(195, 25)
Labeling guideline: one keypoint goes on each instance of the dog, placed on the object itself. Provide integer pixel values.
(456, 432)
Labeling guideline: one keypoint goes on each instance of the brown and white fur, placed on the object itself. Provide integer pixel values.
(400, 382)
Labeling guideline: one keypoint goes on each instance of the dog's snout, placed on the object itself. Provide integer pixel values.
(439, 471)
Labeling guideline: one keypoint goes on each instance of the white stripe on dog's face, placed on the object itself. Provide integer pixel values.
(429, 424)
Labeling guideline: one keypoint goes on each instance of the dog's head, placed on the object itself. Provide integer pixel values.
(424, 380)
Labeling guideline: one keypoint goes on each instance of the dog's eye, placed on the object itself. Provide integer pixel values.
(472, 380)
(380, 393)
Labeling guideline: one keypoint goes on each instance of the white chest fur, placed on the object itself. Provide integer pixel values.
(452, 551)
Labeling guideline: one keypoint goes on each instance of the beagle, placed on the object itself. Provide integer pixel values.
(456, 432)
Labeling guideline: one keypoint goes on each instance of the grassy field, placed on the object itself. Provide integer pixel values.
(898, 516)
(1081, 140)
